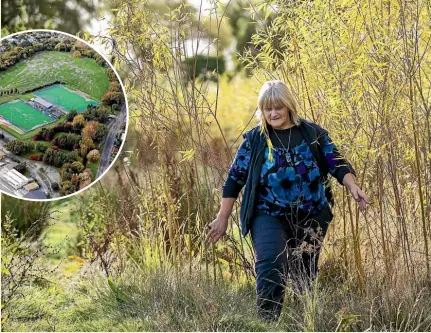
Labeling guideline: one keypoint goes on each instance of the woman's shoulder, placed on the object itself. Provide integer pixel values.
(309, 125)
(252, 132)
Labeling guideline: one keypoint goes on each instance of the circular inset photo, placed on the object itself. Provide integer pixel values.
(63, 115)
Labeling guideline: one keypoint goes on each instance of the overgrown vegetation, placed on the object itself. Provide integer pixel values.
(360, 70)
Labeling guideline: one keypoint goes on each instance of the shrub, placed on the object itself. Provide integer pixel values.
(41, 147)
(46, 134)
(67, 188)
(113, 97)
(93, 156)
(66, 141)
(21, 167)
(35, 157)
(72, 114)
(19, 147)
(57, 157)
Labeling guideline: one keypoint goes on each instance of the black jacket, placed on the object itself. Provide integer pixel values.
(313, 135)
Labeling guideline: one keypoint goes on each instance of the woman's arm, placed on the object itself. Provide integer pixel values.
(360, 197)
(343, 171)
(235, 181)
(218, 227)
(337, 165)
(238, 171)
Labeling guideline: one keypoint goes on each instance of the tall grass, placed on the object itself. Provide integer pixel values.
(361, 70)
(358, 69)
(145, 297)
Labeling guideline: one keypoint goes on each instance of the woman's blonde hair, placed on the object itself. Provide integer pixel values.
(275, 93)
(271, 94)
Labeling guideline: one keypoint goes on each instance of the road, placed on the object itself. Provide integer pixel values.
(7, 135)
(110, 140)
(39, 173)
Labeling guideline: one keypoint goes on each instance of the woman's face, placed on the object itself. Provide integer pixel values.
(277, 116)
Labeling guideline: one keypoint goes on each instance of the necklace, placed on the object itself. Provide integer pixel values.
(288, 144)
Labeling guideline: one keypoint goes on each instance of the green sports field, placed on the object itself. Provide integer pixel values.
(22, 115)
(62, 97)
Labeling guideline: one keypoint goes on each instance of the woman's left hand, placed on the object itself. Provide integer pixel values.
(360, 197)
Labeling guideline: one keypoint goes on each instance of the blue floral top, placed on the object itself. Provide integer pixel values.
(291, 180)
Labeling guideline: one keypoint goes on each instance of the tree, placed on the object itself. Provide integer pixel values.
(18, 147)
(66, 141)
(101, 132)
(44, 134)
(110, 73)
(55, 186)
(99, 113)
(41, 147)
(113, 97)
(17, 15)
(21, 167)
(76, 167)
(90, 129)
(74, 180)
(67, 188)
(99, 59)
(93, 156)
(78, 122)
(114, 87)
(60, 47)
(88, 132)
(57, 157)
(84, 178)
(76, 54)
(72, 114)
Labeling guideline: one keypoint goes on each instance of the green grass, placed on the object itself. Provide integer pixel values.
(78, 297)
(25, 97)
(62, 235)
(47, 144)
(30, 134)
(11, 131)
(62, 97)
(94, 167)
(22, 115)
(156, 303)
(82, 74)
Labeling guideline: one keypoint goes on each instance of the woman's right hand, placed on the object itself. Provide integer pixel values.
(216, 229)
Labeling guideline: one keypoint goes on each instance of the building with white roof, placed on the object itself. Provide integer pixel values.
(15, 178)
(40, 102)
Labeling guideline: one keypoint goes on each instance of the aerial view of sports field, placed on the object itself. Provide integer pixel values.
(65, 98)
(22, 115)
(62, 115)
(83, 82)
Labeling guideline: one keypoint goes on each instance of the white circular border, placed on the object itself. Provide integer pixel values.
(127, 114)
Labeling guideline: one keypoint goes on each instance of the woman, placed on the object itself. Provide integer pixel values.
(284, 164)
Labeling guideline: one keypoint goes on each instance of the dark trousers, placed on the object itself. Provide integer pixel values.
(287, 246)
